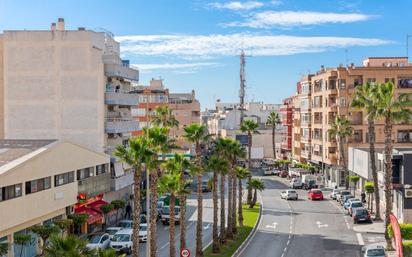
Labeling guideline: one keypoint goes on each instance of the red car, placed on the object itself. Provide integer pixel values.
(315, 194)
(284, 174)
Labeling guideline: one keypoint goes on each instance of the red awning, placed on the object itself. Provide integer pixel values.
(94, 216)
(97, 204)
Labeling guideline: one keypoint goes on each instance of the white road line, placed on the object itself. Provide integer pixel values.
(287, 243)
(360, 239)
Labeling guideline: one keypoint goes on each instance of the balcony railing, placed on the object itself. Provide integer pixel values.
(113, 125)
(118, 70)
(113, 97)
(122, 181)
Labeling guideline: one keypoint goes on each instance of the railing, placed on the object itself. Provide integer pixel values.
(118, 70)
(121, 98)
(113, 125)
(121, 182)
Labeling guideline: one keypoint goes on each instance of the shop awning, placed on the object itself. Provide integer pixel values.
(94, 216)
(97, 204)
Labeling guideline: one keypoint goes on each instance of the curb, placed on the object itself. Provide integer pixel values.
(252, 233)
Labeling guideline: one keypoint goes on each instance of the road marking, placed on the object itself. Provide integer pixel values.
(287, 243)
(273, 226)
(360, 239)
(320, 225)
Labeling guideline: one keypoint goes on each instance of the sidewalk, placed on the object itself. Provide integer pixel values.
(377, 227)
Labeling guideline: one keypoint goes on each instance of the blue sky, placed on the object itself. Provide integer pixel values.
(194, 43)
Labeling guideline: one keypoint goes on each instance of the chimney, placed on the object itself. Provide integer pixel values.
(53, 26)
(60, 24)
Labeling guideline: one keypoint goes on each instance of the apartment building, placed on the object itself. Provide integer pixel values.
(186, 109)
(150, 97)
(40, 181)
(331, 91)
(70, 85)
(286, 112)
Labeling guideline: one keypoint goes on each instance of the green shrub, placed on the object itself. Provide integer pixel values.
(407, 249)
(406, 231)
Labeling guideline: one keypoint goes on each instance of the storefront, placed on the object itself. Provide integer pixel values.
(91, 207)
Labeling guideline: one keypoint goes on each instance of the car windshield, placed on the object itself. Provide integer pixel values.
(357, 204)
(376, 252)
(361, 212)
(316, 191)
(345, 193)
(121, 238)
(126, 224)
(291, 192)
(111, 231)
(143, 228)
(93, 239)
(166, 210)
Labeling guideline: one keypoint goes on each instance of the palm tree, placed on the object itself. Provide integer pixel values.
(44, 232)
(216, 164)
(197, 134)
(70, 246)
(365, 99)
(78, 219)
(251, 127)
(106, 253)
(392, 108)
(164, 117)
(169, 182)
(341, 129)
(136, 155)
(4, 248)
(273, 121)
(255, 184)
(241, 173)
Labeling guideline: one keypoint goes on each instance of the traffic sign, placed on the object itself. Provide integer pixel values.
(185, 252)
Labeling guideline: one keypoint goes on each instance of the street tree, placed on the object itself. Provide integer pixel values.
(44, 232)
(255, 184)
(118, 205)
(64, 225)
(272, 122)
(241, 173)
(369, 189)
(78, 220)
(354, 179)
(106, 209)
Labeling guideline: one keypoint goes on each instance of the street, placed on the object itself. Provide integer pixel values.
(303, 227)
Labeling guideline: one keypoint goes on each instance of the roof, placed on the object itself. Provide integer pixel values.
(13, 149)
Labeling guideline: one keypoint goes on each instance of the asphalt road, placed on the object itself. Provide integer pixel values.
(301, 228)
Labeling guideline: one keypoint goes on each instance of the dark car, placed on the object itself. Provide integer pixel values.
(361, 215)
(206, 186)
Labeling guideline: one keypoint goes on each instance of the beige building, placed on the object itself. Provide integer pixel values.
(331, 92)
(67, 84)
(40, 181)
(186, 109)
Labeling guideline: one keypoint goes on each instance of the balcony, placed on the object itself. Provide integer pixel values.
(120, 98)
(122, 181)
(113, 125)
(118, 70)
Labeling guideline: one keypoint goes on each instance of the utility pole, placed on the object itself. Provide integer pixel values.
(242, 85)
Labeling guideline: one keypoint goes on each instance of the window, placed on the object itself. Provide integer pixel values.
(342, 83)
(305, 88)
(10, 192)
(305, 118)
(390, 80)
(85, 173)
(332, 84)
(371, 80)
(357, 136)
(101, 169)
(304, 103)
(342, 101)
(64, 178)
(405, 83)
(404, 136)
(38, 185)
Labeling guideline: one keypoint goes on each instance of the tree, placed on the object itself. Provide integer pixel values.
(369, 189)
(251, 127)
(4, 248)
(70, 246)
(341, 129)
(365, 99)
(164, 117)
(273, 121)
(44, 232)
(393, 108)
(106, 209)
(354, 180)
(22, 240)
(118, 205)
(197, 134)
(169, 182)
(106, 253)
(255, 184)
(78, 220)
(216, 164)
(63, 225)
(136, 155)
(241, 174)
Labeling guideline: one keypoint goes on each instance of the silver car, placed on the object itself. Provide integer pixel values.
(373, 250)
(289, 195)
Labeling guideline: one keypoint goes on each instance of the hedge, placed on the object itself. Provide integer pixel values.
(407, 249)
(406, 231)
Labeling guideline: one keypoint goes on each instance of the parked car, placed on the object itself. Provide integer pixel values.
(334, 193)
(341, 194)
(315, 194)
(296, 183)
(143, 233)
(129, 223)
(166, 215)
(112, 230)
(345, 198)
(206, 186)
(346, 205)
(122, 241)
(267, 171)
(353, 206)
(98, 240)
(361, 214)
(276, 172)
(311, 183)
(284, 174)
(289, 194)
(373, 250)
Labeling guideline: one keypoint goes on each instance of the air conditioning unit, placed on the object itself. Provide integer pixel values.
(408, 193)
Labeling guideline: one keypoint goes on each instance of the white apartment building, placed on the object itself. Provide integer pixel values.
(70, 85)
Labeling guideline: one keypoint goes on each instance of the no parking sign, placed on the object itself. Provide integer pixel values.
(185, 252)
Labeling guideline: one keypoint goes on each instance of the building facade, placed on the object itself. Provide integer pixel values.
(70, 85)
(287, 122)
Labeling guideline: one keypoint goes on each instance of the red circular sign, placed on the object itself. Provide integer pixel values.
(185, 252)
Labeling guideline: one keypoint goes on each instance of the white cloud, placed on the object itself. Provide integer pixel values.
(269, 19)
(201, 46)
(176, 67)
(237, 6)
